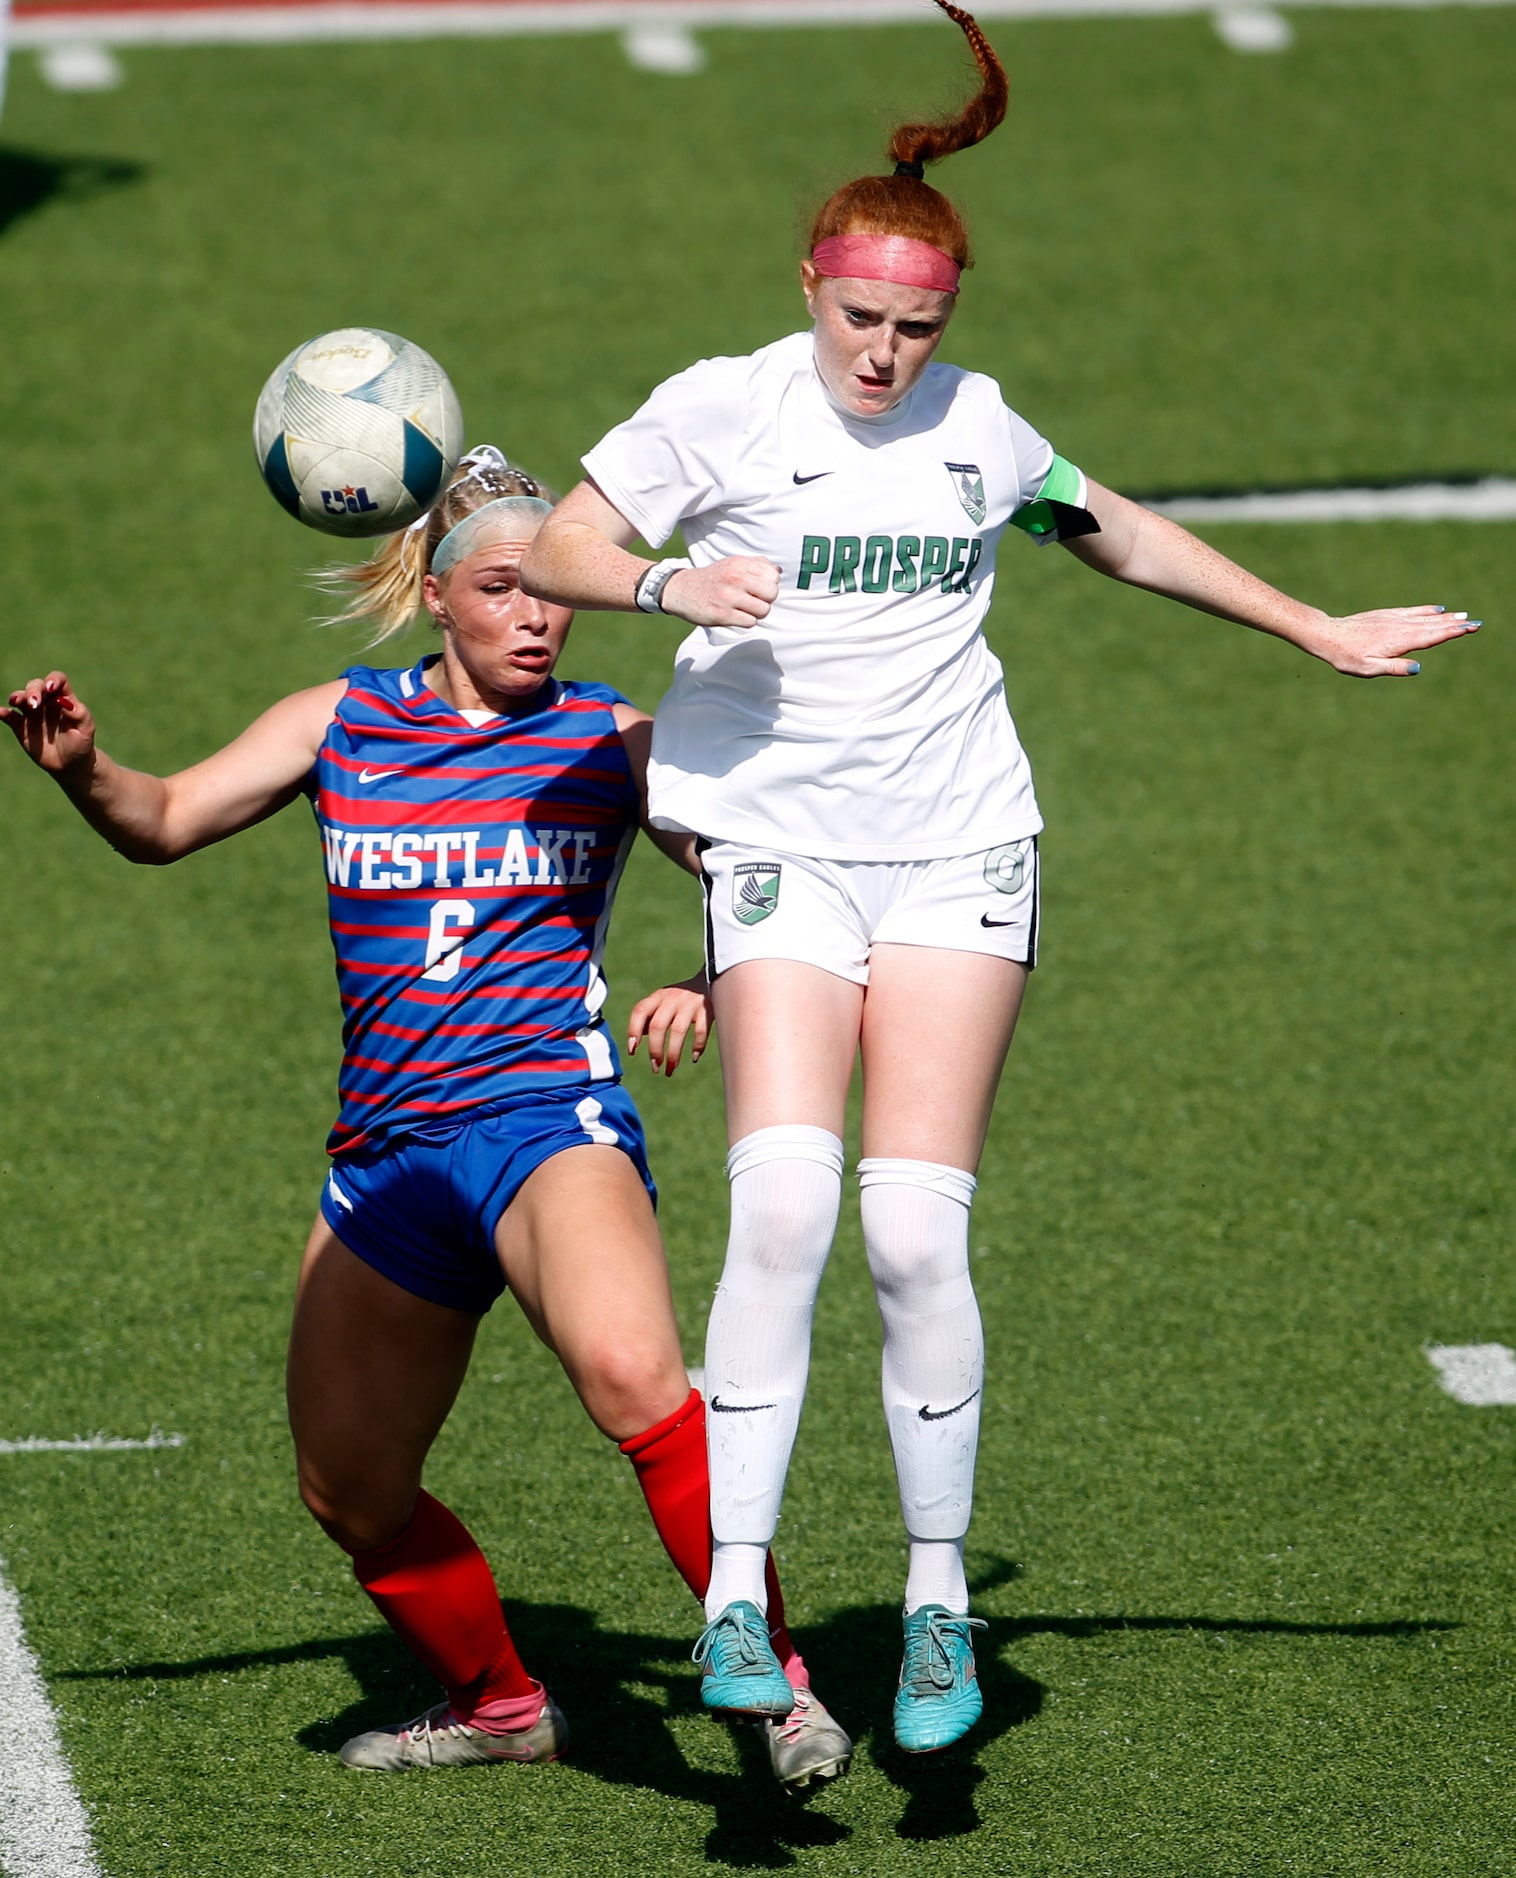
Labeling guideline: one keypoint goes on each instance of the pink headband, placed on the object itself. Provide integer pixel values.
(894, 258)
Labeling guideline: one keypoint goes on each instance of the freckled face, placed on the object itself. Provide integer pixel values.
(873, 339)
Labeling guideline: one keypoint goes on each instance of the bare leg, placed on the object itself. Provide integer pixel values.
(789, 1039)
(934, 1026)
(580, 1249)
(373, 1372)
(936, 1029)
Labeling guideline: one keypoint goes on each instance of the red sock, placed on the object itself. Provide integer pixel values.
(669, 1460)
(432, 1586)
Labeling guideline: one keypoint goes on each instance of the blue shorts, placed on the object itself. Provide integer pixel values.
(423, 1208)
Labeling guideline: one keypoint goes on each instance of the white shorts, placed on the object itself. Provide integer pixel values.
(763, 903)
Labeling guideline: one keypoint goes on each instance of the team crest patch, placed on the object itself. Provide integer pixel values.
(1005, 868)
(755, 890)
(969, 482)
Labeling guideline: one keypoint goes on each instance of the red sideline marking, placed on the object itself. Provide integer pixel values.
(116, 9)
(113, 9)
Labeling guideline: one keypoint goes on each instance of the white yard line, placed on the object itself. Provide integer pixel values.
(1493, 500)
(89, 1444)
(336, 20)
(1480, 1375)
(44, 1829)
(663, 48)
(80, 65)
(1253, 28)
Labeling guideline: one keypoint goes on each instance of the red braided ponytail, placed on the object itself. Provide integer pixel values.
(904, 204)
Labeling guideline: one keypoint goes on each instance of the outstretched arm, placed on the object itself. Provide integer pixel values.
(156, 819)
(1148, 550)
(579, 558)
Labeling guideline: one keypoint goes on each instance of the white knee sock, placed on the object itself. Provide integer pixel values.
(786, 1189)
(916, 1231)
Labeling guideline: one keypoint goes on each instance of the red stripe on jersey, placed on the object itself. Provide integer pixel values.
(413, 993)
(524, 958)
(404, 1035)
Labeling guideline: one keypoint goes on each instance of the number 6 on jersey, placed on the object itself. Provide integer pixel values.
(444, 948)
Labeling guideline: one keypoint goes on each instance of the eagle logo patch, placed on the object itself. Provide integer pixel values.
(755, 891)
(969, 482)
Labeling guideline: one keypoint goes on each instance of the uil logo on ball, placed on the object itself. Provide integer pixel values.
(1005, 868)
(755, 890)
(348, 501)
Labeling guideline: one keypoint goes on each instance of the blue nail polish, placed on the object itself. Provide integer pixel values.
(1413, 669)
(1473, 623)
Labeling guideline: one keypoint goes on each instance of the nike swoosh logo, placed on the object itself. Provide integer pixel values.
(800, 480)
(985, 920)
(941, 1415)
(739, 1408)
(376, 775)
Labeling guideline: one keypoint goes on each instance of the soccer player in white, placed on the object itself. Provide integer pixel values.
(837, 735)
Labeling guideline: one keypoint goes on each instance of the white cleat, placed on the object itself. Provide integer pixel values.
(808, 1747)
(439, 1739)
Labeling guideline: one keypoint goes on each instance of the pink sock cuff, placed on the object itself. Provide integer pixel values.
(795, 1672)
(508, 1714)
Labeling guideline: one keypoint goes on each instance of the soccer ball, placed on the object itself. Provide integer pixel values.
(357, 432)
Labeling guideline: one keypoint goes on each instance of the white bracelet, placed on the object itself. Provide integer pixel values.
(650, 587)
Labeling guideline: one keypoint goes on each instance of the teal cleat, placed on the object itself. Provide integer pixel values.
(939, 1699)
(741, 1674)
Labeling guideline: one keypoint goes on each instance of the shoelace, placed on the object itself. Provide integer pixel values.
(928, 1667)
(799, 1715)
(732, 1638)
(439, 1721)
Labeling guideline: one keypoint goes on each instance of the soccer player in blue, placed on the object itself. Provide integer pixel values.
(475, 814)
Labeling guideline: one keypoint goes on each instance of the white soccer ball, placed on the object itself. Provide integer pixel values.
(357, 432)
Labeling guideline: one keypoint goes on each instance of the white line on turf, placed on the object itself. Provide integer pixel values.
(89, 1444)
(44, 1830)
(312, 21)
(1482, 1375)
(80, 65)
(672, 48)
(1493, 500)
(1253, 29)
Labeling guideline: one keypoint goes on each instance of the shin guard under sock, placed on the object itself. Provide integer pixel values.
(669, 1460)
(915, 1230)
(432, 1586)
(786, 1188)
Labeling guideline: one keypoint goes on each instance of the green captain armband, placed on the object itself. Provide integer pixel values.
(1058, 512)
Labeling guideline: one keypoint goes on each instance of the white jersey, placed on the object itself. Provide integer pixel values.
(865, 719)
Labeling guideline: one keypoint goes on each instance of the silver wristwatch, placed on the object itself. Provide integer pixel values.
(650, 587)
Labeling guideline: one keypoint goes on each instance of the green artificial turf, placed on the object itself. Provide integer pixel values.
(1250, 1575)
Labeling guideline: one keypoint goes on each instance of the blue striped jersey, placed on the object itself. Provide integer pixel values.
(470, 873)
